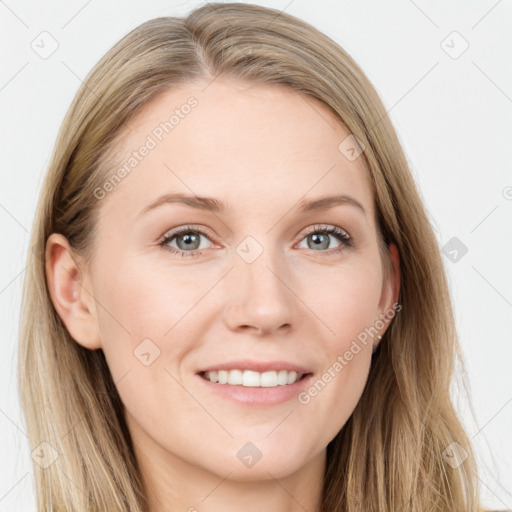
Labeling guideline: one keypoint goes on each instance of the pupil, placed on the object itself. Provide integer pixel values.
(189, 239)
(318, 240)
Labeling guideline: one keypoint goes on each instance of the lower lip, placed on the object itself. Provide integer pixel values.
(258, 396)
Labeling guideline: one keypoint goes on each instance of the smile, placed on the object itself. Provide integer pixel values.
(249, 378)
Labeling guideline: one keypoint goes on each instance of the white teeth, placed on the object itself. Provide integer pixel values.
(282, 377)
(268, 379)
(253, 379)
(235, 377)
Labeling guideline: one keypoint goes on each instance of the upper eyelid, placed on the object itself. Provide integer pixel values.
(185, 229)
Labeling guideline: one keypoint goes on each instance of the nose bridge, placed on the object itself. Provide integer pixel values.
(257, 294)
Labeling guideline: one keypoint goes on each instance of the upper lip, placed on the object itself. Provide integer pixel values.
(257, 366)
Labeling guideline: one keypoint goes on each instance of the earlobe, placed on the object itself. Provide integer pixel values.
(72, 300)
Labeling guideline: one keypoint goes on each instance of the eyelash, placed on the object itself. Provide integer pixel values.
(339, 233)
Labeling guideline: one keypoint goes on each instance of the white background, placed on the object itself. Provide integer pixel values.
(453, 116)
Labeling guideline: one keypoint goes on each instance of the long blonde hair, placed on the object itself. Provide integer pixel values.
(391, 455)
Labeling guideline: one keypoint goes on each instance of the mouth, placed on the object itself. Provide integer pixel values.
(254, 379)
(256, 384)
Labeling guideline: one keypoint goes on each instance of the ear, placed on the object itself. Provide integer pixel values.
(390, 290)
(70, 292)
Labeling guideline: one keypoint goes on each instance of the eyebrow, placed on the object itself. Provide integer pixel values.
(217, 206)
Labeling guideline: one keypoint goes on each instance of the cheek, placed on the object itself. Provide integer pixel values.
(139, 302)
(345, 299)
(347, 304)
(138, 315)
(141, 314)
(334, 395)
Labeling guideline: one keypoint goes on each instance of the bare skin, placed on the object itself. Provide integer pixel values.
(263, 150)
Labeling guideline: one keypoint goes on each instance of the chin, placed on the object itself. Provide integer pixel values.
(262, 471)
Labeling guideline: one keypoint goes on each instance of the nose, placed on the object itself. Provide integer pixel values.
(259, 296)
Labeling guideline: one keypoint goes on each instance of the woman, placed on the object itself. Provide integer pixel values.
(235, 298)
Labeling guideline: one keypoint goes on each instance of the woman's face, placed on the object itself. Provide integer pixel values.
(253, 283)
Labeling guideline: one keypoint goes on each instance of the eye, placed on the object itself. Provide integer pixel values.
(188, 240)
(318, 238)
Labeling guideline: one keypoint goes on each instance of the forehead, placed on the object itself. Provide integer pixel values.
(243, 143)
